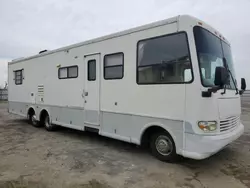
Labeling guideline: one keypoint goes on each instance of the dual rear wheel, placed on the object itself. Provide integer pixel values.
(44, 121)
(32, 120)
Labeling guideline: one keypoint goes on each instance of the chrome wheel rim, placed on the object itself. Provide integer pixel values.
(33, 119)
(164, 145)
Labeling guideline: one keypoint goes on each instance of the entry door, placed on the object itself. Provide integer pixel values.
(91, 92)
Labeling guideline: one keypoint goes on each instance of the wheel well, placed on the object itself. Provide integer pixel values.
(31, 111)
(147, 134)
(43, 114)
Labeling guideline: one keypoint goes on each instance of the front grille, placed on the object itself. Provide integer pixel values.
(229, 123)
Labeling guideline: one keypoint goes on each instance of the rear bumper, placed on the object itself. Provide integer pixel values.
(200, 147)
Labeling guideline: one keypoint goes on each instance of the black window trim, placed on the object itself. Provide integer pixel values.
(117, 78)
(67, 72)
(21, 75)
(88, 69)
(198, 59)
(137, 63)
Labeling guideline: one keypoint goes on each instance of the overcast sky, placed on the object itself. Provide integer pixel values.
(29, 26)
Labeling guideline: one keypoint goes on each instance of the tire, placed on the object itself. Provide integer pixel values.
(33, 121)
(163, 147)
(47, 124)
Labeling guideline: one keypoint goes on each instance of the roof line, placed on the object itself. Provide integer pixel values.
(106, 37)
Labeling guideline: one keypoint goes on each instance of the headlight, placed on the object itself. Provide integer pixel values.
(207, 126)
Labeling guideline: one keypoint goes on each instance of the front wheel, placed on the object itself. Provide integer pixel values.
(163, 147)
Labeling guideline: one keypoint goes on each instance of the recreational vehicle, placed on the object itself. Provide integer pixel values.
(168, 85)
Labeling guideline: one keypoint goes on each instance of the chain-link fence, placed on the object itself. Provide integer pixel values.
(3, 94)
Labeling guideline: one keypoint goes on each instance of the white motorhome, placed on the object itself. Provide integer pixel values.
(169, 85)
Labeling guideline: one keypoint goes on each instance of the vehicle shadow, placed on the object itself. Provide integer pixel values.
(224, 156)
(227, 154)
(95, 138)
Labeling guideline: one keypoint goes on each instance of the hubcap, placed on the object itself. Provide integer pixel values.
(164, 145)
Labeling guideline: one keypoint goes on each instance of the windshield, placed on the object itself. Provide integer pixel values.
(211, 50)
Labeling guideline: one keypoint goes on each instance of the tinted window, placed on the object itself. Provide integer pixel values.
(63, 73)
(113, 66)
(68, 72)
(18, 76)
(163, 60)
(92, 70)
(228, 56)
(210, 51)
(72, 72)
(113, 72)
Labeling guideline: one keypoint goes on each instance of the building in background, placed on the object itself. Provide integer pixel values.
(4, 94)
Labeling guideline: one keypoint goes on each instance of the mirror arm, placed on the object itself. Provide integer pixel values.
(211, 90)
(224, 92)
(214, 89)
(241, 92)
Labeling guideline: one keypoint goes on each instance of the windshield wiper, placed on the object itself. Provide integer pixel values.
(230, 73)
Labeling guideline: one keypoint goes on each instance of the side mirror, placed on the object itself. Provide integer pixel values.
(221, 76)
(243, 84)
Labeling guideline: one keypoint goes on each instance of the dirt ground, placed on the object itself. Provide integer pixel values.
(34, 158)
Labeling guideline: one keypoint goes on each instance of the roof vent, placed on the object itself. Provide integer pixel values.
(43, 51)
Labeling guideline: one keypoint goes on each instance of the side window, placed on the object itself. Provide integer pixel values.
(164, 60)
(68, 72)
(18, 77)
(73, 72)
(63, 73)
(91, 70)
(113, 66)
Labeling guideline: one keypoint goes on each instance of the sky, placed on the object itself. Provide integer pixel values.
(29, 26)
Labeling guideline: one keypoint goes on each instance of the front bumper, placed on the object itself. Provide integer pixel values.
(201, 147)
